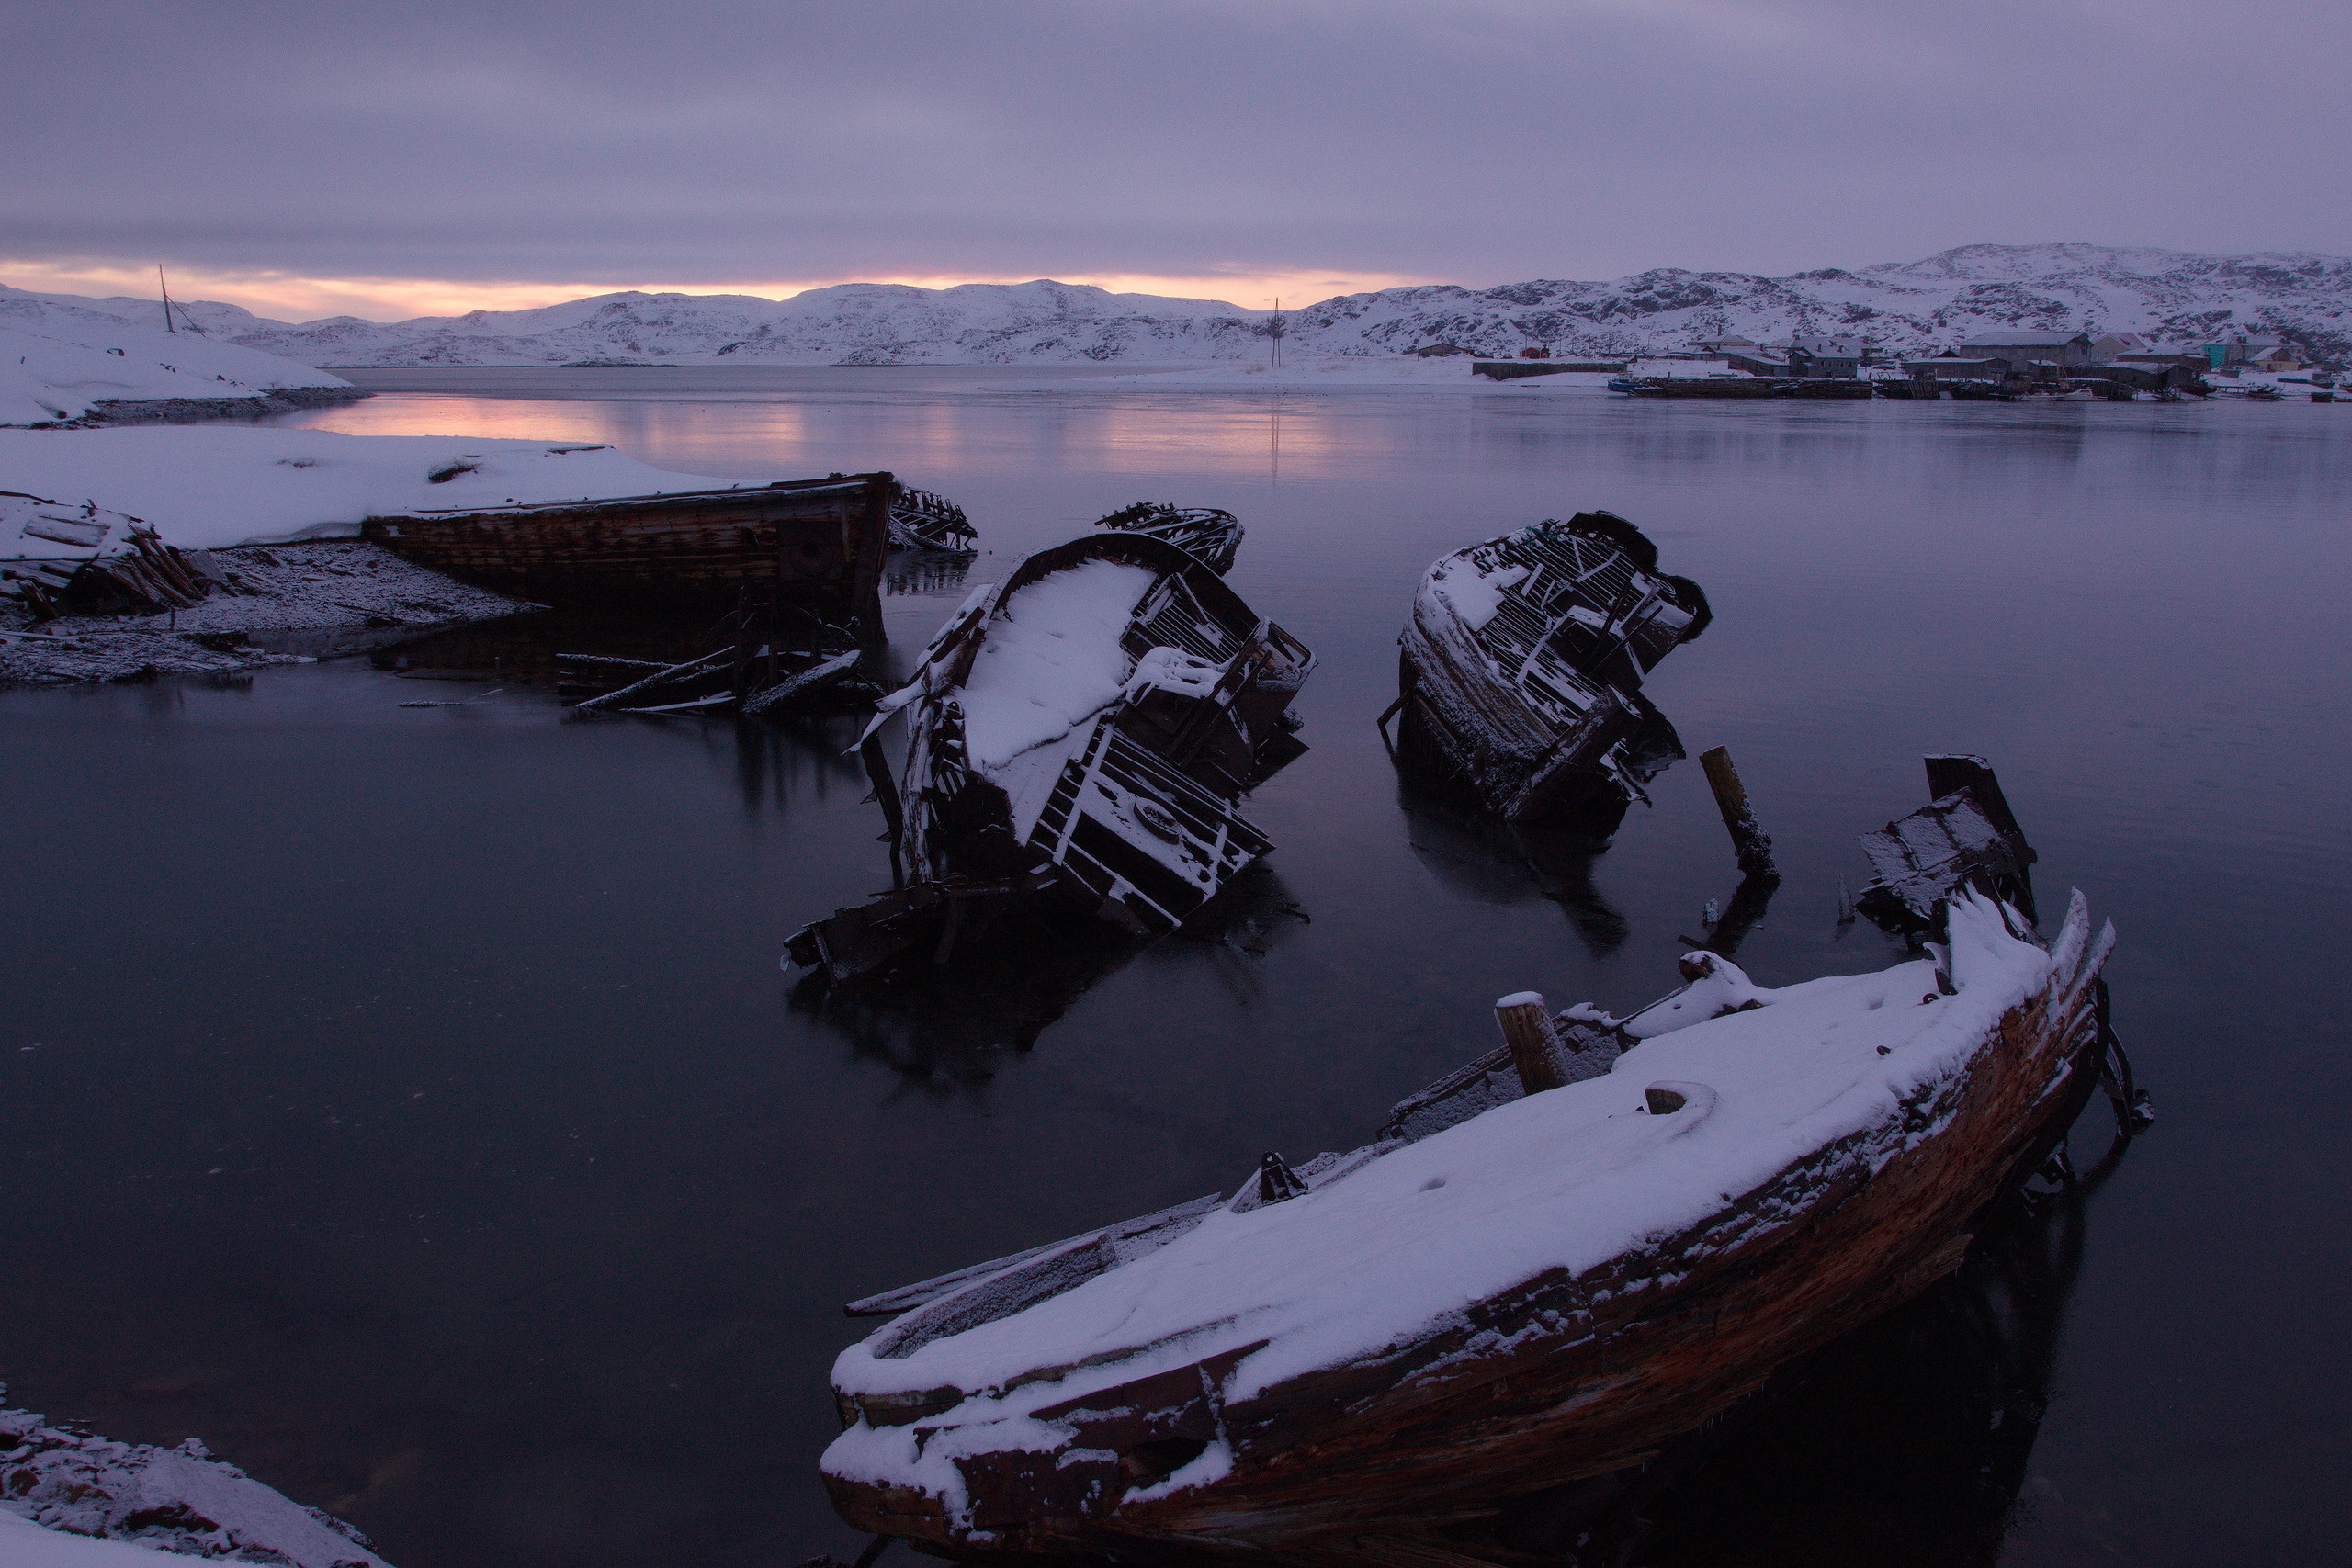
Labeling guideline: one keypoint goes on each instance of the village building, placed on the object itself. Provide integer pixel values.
(2188, 356)
(1759, 361)
(2042, 356)
(1950, 364)
(1842, 357)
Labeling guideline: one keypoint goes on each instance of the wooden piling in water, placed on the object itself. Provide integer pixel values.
(1749, 842)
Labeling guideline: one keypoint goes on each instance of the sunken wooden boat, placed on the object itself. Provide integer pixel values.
(1209, 535)
(1545, 1270)
(922, 521)
(817, 545)
(1075, 742)
(1519, 680)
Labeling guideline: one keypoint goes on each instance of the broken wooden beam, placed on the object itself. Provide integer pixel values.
(655, 679)
(1750, 845)
(814, 678)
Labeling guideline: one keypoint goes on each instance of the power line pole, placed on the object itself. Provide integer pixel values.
(167, 299)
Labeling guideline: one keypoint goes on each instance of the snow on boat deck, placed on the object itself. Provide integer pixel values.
(1051, 662)
(1565, 1180)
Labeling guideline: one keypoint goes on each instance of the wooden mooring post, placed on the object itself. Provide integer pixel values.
(1749, 842)
(1535, 1045)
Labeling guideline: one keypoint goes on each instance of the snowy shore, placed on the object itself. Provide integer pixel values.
(278, 508)
(206, 487)
(63, 363)
(72, 1500)
(1349, 374)
(321, 598)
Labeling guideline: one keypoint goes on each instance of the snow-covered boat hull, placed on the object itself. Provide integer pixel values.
(1323, 1369)
(1077, 741)
(1519, 682)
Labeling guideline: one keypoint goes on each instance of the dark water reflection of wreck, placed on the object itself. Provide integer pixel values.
(1910, 1441)
(949, 1024)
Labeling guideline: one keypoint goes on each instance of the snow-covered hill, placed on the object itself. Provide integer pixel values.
(2169, 295)
(850, 323)
(2303, 297)
(61, 358)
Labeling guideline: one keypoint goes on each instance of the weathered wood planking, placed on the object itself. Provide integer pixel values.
(1412, 1455)
(818, 543)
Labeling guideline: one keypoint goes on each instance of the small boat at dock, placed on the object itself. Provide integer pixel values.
(1522, 665)
(1545, 1270)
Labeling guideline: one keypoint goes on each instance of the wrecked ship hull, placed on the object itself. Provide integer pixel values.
(1045, 1404)
(1174, 699)
(817, 545)
(1208, 533)
(1522, 666)
(922, 521)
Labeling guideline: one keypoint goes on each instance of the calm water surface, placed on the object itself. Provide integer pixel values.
(408, 1101)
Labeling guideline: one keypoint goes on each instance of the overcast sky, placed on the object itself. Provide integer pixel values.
(402, 155)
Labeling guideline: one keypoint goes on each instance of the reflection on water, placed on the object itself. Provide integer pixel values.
(536, 1196)
(1503, 862)
(1015, 976)
(1910, 1441)
(924, 572)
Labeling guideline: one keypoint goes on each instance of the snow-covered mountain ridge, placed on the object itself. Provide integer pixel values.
(2304, 296)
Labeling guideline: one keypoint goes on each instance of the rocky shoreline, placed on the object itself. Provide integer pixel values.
(179, 1500)
(184, 411)
(294, 605)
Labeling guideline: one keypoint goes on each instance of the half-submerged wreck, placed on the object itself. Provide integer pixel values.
(1519, 680)
(1548, 1266)
(814, 545)
(922, 521)
(1208, 534)
(1077, 739)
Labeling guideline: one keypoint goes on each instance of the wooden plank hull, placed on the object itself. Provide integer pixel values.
(1535, 711)
(816, 543)
(1140, 823)
(1410, 1454)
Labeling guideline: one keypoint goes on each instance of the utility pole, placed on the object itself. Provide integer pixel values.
(1275, 329)
(167, 299)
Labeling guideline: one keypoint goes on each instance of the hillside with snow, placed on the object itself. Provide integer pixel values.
(1901, 306)
(63, 359)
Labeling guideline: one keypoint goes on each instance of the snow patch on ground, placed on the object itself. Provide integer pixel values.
(206, 487)
(72, 1500)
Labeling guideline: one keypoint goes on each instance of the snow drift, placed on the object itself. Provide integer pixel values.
(64, 359)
